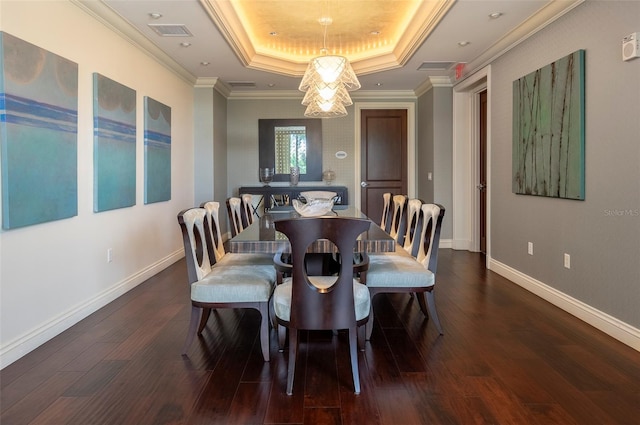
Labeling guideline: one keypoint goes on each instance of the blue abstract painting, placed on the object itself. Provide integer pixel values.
(157, 151)
(38, 134)
(114, 145)
(548, 130)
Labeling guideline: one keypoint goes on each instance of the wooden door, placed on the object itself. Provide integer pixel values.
(482, 187)
(383, 147)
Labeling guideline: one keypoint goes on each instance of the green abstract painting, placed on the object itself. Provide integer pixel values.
(157, 151)
(548, 130)
(114, 144)
(38, 134)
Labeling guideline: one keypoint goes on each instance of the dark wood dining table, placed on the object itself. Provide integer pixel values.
(262, 237)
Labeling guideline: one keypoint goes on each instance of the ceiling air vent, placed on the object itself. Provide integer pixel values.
(171, 30)
(435, 66)
(242, 84)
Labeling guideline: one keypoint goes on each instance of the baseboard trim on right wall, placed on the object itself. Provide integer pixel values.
(613, 327)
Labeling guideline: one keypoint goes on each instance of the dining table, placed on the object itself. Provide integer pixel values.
(262, 237)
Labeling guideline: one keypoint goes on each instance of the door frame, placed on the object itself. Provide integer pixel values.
(466, 157)
(410, 107)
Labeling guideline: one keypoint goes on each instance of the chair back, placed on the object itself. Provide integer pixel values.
(194, 236)
(247, 210)
(216, 247)
(431, 223)
(319, 303)
(412, 233)
(234, 208)
(385, 224)
(398, 219)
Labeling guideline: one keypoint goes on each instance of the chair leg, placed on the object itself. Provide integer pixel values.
(196, 314)
(369, 325)
(293, 353)
(353, 349)
(264, 330)
(361, 336)
(282, 336)
(422, 303)
(272, 314)
(431, 304)
(206, 312)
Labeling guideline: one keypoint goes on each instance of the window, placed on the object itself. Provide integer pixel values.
(291, 149)
(286, 143)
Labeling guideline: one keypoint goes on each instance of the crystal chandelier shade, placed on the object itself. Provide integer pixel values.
(323, 92)
(325, 109)
(327, 81)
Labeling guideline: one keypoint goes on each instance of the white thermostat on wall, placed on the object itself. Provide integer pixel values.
(631, 46)
(341, 154)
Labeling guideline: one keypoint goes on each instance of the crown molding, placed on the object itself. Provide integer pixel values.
(106, 16)
(298, 95)
(431, 82)
(545, 16)
(233, 30)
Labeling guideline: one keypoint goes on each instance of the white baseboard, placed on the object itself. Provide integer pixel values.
(29, 342)
(460, 244)
(446, 243)
(613, 327)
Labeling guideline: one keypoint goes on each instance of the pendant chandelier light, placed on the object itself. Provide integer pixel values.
(327, 82)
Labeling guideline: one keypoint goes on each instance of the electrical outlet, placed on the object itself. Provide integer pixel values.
(109, 255)
(530, 248)
(567, 261)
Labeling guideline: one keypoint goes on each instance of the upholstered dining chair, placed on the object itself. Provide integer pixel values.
(385, 223)
(401, 272)
(221, 286)
(304, 302)
(411, 236)
(398, 218)
(249, 210)
(234, 209)
(217, 252)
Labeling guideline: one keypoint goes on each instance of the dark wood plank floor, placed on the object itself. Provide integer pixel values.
(507, 357)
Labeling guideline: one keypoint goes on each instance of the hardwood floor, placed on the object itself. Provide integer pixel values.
(507, 357)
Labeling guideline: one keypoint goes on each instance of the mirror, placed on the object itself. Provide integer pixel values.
(284, 143)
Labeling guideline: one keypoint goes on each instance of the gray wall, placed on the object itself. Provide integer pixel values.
(601, 233)
(210, 133)
(338, 134)
(203, 170)
(435, 151)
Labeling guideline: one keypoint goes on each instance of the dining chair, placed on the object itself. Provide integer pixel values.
(217, 253)
(221, 286)
(385, 224)
(403, 273)
(411, 230)
(249, 210)
(305, 302)
(234, 209)
(398, 218)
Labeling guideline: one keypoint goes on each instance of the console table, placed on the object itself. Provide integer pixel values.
(282, 195)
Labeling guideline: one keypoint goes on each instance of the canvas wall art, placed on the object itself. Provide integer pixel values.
(38, 134)
(157, 151)
(114, 146)
(548, 130)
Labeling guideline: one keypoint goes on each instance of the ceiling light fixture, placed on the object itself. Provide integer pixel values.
(495, 15)
(327, 81)
(155, 15)
(463, 43)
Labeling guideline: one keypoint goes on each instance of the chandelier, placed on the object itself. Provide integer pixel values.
(327, 82)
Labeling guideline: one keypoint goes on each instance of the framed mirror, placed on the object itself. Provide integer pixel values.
(285, 143)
